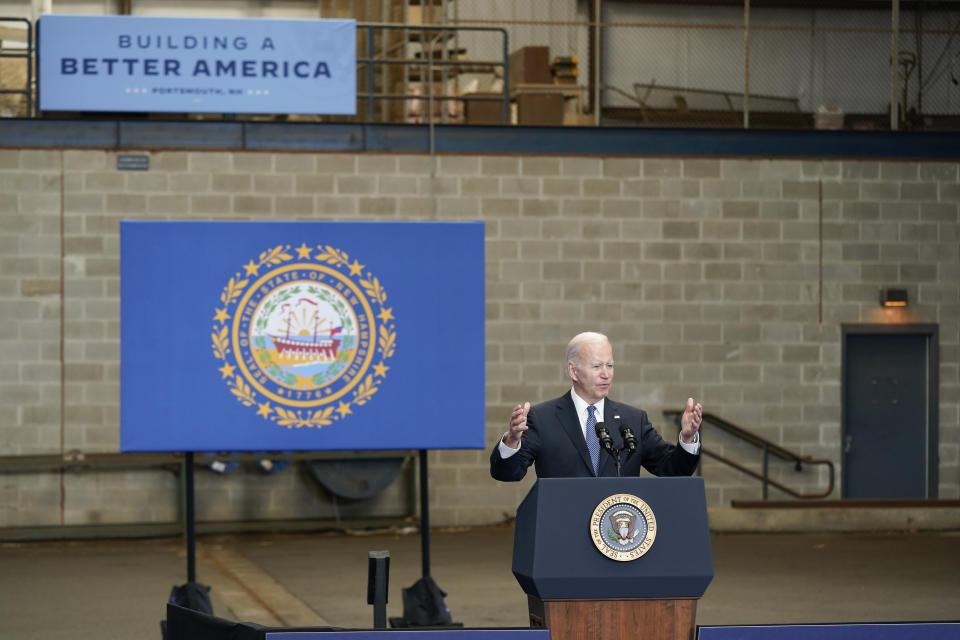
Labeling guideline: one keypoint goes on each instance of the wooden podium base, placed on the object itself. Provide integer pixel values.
(637, 619)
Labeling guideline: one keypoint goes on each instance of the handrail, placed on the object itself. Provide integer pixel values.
(769, 448)
(75, 460)
(27, 54)
(370, 63)
(429, 63)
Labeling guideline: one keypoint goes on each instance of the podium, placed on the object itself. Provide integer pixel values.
(649, 591)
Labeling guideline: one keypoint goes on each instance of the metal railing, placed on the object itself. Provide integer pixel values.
(371, 68)
(435, 60)
(768, 448)
(79, 462)
(26, 54)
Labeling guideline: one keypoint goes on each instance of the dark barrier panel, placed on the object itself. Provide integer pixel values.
(185, 624)
(435, 634)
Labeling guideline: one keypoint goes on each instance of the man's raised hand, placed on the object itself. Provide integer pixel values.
(518, 424)
(690, 421)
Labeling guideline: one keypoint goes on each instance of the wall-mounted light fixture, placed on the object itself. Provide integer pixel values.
(893, 297)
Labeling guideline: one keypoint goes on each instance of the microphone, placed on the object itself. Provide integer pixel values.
(605, 440)
(629, 440)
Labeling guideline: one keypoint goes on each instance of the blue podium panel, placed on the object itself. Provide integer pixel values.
(877, 631)
(555, 556)
(248, 336)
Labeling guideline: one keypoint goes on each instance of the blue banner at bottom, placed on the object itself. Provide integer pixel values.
(878, 631)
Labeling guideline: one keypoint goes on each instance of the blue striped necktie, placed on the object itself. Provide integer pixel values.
(593, 443)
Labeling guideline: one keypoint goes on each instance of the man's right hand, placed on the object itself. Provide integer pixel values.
(518, 424)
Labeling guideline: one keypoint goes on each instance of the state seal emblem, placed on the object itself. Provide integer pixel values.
(623, 527)
(303, 335)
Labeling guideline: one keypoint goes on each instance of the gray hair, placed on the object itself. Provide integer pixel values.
(587, 337)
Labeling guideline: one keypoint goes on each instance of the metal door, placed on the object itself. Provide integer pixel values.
(889, 398)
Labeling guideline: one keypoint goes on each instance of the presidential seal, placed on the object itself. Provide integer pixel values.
(623, 527)
(303, 335)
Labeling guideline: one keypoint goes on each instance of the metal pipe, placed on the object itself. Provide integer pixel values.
(597, 9)
(746, 64)
(371, 87)
(766, 468)
(894, 45)
(424, 515)
(189, 518)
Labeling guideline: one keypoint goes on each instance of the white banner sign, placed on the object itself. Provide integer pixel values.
(191, 65)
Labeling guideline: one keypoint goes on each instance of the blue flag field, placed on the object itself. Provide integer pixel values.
(261, 336)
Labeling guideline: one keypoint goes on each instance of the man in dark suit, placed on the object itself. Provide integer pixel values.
(559, 437)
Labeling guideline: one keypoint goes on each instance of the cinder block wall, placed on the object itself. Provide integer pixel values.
(705, 273)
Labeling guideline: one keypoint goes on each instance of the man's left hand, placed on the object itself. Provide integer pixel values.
(690, 421)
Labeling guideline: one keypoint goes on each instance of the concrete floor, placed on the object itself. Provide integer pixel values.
(118, 589)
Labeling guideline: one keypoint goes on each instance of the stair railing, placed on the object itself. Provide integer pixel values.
(768, 448)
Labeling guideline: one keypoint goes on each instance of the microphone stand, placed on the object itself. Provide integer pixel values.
(606, 442)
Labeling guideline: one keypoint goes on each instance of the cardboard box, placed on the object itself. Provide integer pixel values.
(578, 120)
(530, 65)
(541, 109)
(484, 111)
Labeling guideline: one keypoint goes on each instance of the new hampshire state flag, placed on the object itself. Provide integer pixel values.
(253, 336)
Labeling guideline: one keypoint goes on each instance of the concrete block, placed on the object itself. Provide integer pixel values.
(170, 161)
(539, 208)
(257, 162)
(167, 205)
(800, 190)
(858, 169)
(539, 166)
(232, 183)
(380, 164)
(39, 160)
(190, 182)
(209, 205)
(273, 184)
(399, 185)
(760, 189)
(210, 161)
(387, 206)
(560, 187)
(620, 208)
(661, 251)
(899, 170)
(883, 191)
(124, 204)
(740, 209)
(294, 206)
(252, 205)
(641, 188)
(31, 287)
(662, 168)
(105, 181)
(621, 167)
(918, 191)
(470, 166)
(679, 189)
(681, 230)
(698, 168)
(601, 187)
(343, 163)
(500, 166)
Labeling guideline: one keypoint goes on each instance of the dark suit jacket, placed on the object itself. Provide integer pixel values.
(554, 443)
